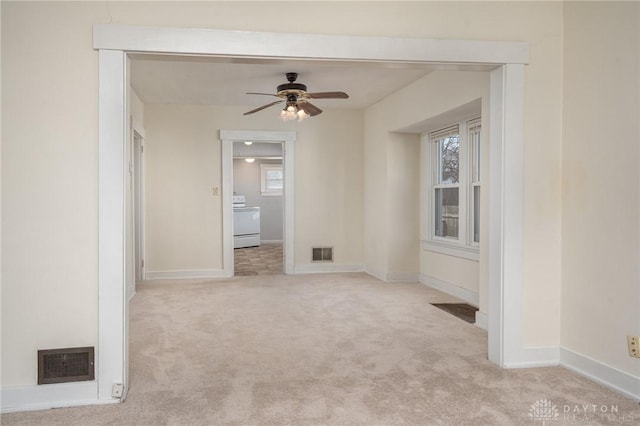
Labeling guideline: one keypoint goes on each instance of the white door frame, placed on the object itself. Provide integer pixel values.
(288, 141)
(138, 200)
(506, 139)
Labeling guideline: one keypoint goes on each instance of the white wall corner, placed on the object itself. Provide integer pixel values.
(374, 272)
(482, 320)
(601, 373)
(43, 397)
(471, 297)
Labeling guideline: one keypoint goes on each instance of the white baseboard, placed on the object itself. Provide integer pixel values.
(374, 273)
(43, 397)
(536, 356)
(471, 297)
(402, 277)
(187, 274)
(270, 241)
(482, 320)
(601, 373)
(324, 268)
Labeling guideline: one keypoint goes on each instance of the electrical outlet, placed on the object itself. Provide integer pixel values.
(116, 390)
(634, 346)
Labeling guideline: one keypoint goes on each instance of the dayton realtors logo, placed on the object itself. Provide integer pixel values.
(543, 410)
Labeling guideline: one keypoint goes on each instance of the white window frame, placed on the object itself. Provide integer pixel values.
(463, 246)
(475, 153)
(264, 190)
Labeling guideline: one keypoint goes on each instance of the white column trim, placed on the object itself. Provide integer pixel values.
(506, 134)
(227, 207)
(197, 41)
(112, 298)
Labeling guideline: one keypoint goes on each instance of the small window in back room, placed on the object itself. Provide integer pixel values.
(271, 179)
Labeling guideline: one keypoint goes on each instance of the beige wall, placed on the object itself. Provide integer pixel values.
(601, 182)
(400, 206)
(49, 184)
(49, 159)
(184, 219)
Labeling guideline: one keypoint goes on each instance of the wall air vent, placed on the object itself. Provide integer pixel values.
(322, 254)
(65, 365)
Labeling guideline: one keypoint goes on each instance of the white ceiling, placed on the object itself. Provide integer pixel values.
(225, 81)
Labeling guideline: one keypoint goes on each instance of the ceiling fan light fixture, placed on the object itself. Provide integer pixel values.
(289, 113)
(295, 94)
(302, 114)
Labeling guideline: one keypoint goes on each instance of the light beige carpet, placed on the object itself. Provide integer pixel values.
(342, 349)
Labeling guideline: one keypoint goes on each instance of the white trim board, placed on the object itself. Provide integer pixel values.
(471, 297)
(326, 268)
(536, 356)
(43, 397)
(186, 274)
(482, 320)
(402, 277)
(197, 41)
(601, 373)
(506, 131)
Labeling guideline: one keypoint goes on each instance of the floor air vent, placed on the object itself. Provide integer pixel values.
(65, 365)
(322, 254)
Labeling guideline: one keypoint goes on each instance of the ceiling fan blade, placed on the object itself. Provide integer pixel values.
(262, 107)
(265, 94)
(328, 95)
(309, 108)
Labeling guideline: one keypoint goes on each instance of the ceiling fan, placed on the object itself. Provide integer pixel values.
(296, 99)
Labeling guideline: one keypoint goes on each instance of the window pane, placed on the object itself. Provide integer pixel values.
(449, 150)
(273, 184)
(476, 214)
(274, 174)
(446, 212)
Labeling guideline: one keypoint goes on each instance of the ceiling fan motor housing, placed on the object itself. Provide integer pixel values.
(292, 85)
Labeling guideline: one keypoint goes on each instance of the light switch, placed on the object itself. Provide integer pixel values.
(216, 191)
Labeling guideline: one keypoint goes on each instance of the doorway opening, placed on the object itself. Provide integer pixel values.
(258, 208)
(507, 112)
(271, 143)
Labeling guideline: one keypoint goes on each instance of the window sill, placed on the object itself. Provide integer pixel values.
(452, 249)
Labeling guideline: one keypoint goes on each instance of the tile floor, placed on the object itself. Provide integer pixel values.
(267, 259)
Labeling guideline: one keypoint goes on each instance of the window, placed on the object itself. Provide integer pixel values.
(447, 185)
(271, 179)
(453, 189)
